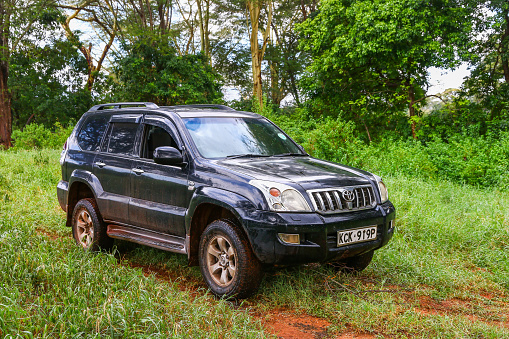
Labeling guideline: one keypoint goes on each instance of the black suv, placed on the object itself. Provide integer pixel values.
(227, 188)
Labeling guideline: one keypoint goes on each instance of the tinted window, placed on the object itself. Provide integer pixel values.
(90, 135)
(155, 137)
(121, 138)
(222, 137)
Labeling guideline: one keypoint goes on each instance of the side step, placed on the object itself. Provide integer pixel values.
(161, 241)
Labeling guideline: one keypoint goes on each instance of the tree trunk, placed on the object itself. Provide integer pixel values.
(411, 108)
(254, 14)
(204, 17)
(5, 95)
(504, 49)
(257, 54)
(294, 89)
(5, 106)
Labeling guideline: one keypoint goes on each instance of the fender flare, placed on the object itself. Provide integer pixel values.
(231, 201)
(89, 180)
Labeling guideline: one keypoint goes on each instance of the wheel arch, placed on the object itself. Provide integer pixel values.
(207, 206)
(81, 186)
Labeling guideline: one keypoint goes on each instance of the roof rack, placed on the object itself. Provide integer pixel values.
(201, 106)
(118, 105)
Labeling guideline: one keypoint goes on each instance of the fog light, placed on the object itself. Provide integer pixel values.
(289, 238)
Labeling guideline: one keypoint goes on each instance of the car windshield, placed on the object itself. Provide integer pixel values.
(232, 137)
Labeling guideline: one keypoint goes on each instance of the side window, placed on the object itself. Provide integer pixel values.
(121, 138)
(154, 137)
(90, 135)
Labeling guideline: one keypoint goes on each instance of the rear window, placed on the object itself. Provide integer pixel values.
(90, 135)
(122, 137)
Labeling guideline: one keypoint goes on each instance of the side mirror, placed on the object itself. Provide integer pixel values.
(166, 155)
(302, 148)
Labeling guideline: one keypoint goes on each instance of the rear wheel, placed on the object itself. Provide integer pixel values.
(354, 264)
(227, 263)
(88, 229)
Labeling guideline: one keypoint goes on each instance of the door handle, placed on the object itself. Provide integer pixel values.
(100, 164)
(138, 171)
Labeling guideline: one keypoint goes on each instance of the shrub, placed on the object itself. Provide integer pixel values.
(38, 137)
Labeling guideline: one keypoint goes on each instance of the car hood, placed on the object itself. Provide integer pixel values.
(308, 172)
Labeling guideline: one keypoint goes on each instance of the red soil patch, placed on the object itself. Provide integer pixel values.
(52, 236)
(285, 324)
(288, 325)
(428, 306)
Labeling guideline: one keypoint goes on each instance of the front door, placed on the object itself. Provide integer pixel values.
(159, 193)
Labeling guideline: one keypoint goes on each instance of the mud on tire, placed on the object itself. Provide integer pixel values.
(227, 263)
(88, 228)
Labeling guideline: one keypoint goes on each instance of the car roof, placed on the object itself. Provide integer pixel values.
(183, 111)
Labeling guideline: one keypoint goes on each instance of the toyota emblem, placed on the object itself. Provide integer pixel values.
(348, 195)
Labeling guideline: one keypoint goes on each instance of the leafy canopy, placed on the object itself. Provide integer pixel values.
(370, 58)
(156, 73)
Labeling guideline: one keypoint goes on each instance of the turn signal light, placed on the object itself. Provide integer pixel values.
(289, 238)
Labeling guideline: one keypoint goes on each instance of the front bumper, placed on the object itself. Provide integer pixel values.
(318, 234)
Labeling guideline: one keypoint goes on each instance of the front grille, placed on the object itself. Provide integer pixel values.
(343, 199)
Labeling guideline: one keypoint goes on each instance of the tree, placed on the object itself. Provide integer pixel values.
(488, 83)
(18, 20)
(256, 15)
(286, 62)
(102, 15)
(46, 82)
(157, 74)
(370, 58)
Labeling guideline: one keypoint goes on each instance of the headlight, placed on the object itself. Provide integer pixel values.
(384, 194)
(281, 197)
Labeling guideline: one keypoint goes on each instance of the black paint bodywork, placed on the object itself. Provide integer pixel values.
(163, 199)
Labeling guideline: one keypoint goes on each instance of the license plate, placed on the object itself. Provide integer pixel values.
(356, 235)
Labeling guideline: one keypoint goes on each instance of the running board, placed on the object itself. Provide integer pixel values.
(161, 241)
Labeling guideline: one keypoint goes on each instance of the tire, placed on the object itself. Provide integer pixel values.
(88, 228)
(354, 264)
(227, 263)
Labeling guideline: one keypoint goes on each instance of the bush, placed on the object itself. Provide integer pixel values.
(38, 137)
(465, 157)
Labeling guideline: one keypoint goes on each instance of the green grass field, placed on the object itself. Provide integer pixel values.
(445, 274)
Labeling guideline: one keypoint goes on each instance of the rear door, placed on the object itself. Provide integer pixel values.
(159, 193)
(113, 165)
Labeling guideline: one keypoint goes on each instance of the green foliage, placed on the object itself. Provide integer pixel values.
(37, 136)
(465, 157)
(154, 72)
(487, 83)
(370, 58)
(47, 83)
(333, 140)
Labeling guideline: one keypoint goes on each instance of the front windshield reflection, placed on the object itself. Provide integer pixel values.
(223, 137)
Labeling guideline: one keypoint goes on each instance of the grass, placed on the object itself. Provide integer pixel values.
(445, 273)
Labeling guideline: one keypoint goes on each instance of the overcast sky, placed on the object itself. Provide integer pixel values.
(442, 80)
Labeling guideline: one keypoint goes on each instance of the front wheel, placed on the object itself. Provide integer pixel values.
(354, 264)
(227, 263)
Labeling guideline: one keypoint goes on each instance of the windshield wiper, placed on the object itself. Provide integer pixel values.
(289, 155)
(247, 155)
